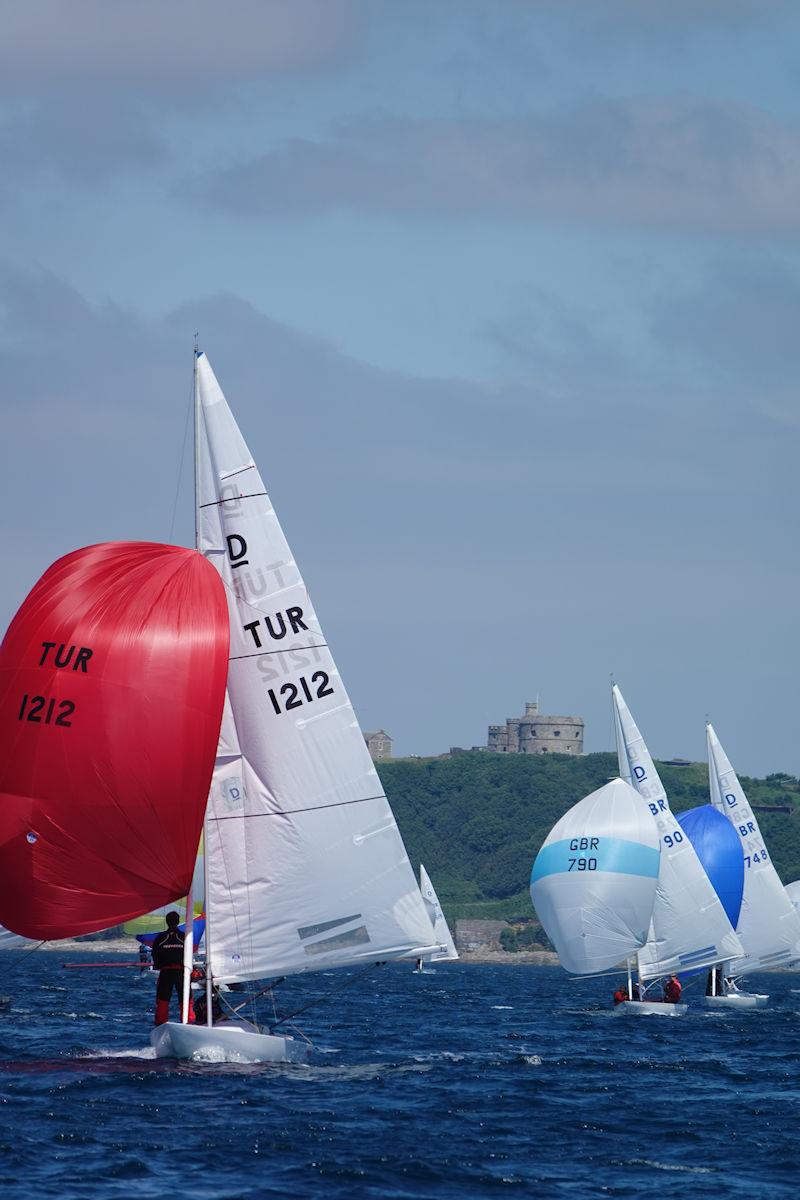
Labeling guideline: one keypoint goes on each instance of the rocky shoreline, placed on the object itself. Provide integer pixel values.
(528, 958)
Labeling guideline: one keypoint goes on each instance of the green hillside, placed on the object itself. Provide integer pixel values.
(477, 820)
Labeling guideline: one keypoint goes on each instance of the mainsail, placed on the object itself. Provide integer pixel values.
(689, 926)
(769, 924)
(112, 679)
(441, 929)
(594, 880)
(306, 868)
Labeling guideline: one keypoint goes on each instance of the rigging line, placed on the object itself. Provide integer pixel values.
(20, 961)
(180, 468)
(283, 650)
(320, 999)
(229, 499)
(291, 812)
(251, 999)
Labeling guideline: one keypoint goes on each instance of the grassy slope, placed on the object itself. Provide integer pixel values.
(477, 820)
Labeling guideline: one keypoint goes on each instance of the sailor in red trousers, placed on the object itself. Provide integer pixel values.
(168, 961)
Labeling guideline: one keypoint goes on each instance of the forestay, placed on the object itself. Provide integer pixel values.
(306, 867)
(769, 924)
(594, 880)
(433, 908)
(689, 926)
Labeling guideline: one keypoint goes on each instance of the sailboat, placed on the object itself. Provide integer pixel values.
(689, 928)
(305, 867)
(441, 929)
(769, 924)
(594, 881)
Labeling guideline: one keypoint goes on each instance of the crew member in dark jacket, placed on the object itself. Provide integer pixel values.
(168, 961)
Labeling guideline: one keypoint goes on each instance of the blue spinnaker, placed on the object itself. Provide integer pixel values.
(199, 924)
(717, 845)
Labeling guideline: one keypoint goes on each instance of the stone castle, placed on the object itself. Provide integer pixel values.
(535, 733)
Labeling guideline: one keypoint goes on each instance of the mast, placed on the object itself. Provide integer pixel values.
(209, 985)
(188, 937)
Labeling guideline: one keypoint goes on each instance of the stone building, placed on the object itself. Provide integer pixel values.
(535, 733)
(379, 744)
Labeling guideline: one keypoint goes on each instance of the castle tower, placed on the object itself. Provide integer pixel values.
(537, 733)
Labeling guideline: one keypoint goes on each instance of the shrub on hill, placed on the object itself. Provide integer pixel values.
(477, 820)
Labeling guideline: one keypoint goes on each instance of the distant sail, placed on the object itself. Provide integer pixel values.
(594, 880)
(441, 929)
(689, 926)
(769, 924)
(306, 867)
(719, 850)
(112, 678)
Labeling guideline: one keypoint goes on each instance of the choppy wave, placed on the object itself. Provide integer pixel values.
(495, 1081)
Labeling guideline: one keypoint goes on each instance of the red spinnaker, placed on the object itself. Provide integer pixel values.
(112, 682)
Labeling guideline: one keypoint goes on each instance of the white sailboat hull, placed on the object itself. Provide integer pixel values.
(234, 1041)
(738, 1000)
(648, 1008)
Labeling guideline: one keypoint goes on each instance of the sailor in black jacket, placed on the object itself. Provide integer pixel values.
(168, 960)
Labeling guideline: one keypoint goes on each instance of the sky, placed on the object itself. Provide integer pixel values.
(505, 296)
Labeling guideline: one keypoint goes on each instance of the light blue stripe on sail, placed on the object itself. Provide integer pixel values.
(617, 855)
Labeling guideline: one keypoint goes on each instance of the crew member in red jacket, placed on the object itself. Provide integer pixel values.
(672, 990)
(168, 961)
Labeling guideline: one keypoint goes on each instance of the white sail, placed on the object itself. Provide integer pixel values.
(433, 908)
(769, 925)
(306, 868)
(594, 880)
(793, 892)
(689, 926)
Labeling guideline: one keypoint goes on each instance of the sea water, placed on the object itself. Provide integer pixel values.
(465, 1080)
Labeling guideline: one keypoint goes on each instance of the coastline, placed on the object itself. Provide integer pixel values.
(522, 958)
(528, 958)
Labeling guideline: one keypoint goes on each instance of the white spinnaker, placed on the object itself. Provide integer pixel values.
(434, 910)
(306, 867)
(793, 892)
(689, 926)
(594, 880)
(769, 924)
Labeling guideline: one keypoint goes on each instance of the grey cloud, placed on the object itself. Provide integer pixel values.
(679, 164)
(77, 138)
(185, 46)
(464, 543)
(738, 325)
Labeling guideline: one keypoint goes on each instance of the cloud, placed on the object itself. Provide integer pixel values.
(464, 543)
(678, 164)
(192, 46)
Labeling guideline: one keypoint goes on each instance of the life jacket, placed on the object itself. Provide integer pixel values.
(672, 991)
(168, 949)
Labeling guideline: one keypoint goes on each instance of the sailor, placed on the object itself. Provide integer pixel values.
(144, 957)
(168, 960)
(201, 1008)
(620, 995)
(672, 990)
